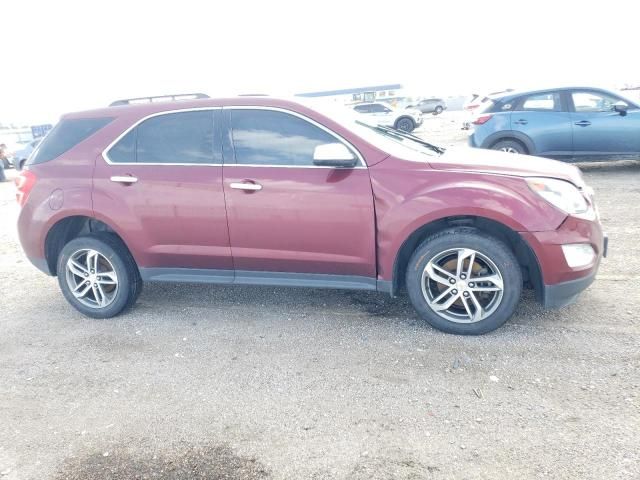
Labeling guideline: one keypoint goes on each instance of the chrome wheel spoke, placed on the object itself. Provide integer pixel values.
(496, 280)
(479, 313)
(465, 302)
(81, 289)
(439, 274)
(463, 253)
(107, 278)
(98, 294)
(78, 269)
(444, 306)
(92, 261)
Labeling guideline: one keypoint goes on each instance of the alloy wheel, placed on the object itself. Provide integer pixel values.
(462, 285)
(91, 278)
(509, 150)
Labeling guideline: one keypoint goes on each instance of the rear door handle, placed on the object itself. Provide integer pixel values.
(522, 121)
(128, 179)
(253, 187)
(583, 123)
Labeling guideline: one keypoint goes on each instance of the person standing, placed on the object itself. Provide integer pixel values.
(3, 159)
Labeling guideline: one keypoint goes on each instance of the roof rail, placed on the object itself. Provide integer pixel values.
(159, 98)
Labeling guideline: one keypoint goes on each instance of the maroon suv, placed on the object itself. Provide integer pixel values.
(255, 190)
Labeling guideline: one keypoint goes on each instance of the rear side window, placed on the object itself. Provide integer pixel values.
(66, 135)
(549, 102)
(183, 137)
(265, 137)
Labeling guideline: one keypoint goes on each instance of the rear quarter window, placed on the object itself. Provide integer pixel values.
(66, 135)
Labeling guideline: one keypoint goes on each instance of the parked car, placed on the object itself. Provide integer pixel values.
(383, 114)
(476, 103)
(430, 105)
(20, 156)
(563, 123)
(271, 192)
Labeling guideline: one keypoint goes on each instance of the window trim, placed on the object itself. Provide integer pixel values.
(361, 163)
(105, 152)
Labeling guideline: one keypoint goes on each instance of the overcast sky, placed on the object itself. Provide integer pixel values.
(61, 55)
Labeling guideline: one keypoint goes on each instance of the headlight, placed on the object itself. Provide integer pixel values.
(562, 195)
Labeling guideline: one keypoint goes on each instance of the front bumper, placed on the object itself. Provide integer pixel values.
(565, 293)
(560, 284)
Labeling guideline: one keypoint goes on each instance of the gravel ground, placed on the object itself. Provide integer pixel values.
(270, 383)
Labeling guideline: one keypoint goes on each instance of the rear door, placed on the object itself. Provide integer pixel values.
(598, 130)
(545, 119)
(160, 184)
(287, 215)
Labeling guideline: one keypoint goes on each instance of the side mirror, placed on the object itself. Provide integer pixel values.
(621, 108)
(334, 155)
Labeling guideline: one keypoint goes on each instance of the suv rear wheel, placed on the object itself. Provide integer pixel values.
(98, 275)
(438, 110)
(509, 146)
(464, 281)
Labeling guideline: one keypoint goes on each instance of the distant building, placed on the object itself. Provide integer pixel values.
(356, 95)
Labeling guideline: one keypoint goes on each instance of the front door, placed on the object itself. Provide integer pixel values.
(160, 186)
(598, 131)
(286, 214)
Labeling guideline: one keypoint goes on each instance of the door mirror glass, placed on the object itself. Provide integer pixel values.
(333, 155)
(620, 107)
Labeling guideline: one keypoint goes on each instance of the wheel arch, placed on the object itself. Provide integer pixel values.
(68, 228)
(529, 263)
(511, 135)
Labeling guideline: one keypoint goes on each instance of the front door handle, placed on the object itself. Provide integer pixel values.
(522, 121)
(583, 123)
(253, 187)
(126, 179)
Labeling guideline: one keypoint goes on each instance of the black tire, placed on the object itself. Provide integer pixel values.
(494, 249)
(509, 146)
(112, 248)
(438, 110)
(21, 164)
(406, 124)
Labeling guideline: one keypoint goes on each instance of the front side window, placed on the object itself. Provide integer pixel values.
(593, 101)
(543, 102)
(183, 137)
(267, 137)
(377, 108)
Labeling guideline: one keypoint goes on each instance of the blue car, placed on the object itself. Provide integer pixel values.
(579, 123)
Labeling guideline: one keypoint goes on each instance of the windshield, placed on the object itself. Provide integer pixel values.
(386, 139)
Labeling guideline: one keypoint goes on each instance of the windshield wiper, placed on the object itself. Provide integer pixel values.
(400, 133)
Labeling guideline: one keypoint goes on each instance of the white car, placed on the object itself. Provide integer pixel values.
(382, 114)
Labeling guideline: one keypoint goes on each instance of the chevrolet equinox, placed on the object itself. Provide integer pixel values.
(263, 191)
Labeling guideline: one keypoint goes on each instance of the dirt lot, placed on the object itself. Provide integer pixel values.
(244, 382)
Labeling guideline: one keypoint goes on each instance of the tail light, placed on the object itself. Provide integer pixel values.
(482, 119)
(24, 183)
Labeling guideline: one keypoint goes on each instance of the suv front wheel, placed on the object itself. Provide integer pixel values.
(464, 281)
(98, 276)
(405, 124)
